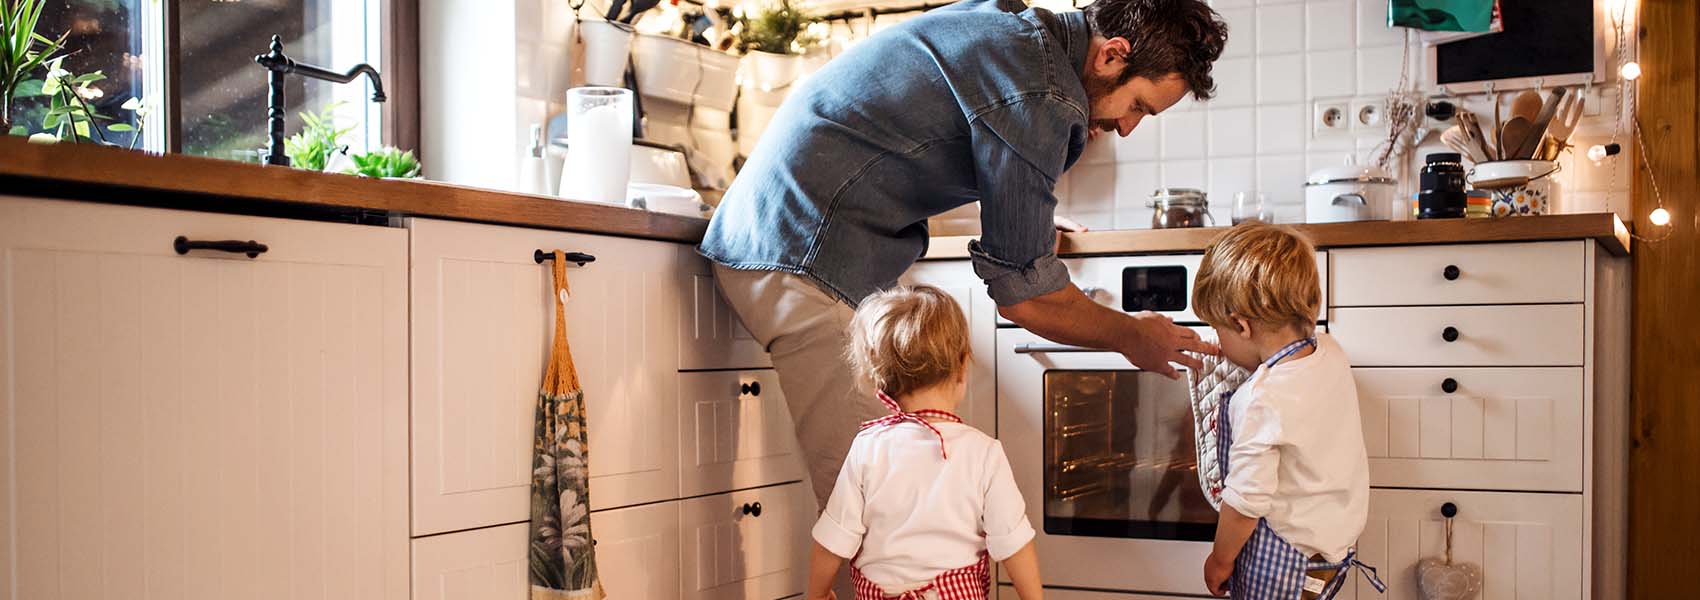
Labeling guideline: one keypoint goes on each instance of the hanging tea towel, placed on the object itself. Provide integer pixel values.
(563, 556)
(1205, 389)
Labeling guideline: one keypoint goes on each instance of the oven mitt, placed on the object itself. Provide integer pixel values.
(1204, 390)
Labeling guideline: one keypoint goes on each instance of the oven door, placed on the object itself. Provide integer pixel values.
(1103, 454)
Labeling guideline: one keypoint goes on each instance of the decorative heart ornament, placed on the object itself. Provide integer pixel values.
(1437, 580)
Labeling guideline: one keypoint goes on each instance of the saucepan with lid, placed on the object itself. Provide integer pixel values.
(1349, 193)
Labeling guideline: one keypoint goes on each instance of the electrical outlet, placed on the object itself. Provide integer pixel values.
(1366, 115)
(1330, 118)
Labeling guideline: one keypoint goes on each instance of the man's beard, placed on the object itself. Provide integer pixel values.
(1096, 89)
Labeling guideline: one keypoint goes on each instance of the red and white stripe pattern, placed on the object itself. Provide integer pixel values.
(920, 416)
(972, 582)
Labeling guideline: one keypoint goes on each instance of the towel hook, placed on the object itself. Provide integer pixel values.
(573, 257)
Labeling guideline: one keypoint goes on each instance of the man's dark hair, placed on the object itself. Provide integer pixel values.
(1165, 36)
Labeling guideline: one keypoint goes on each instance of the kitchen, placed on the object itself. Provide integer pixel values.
(373, 341)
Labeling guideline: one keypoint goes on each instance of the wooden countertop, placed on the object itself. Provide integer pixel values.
(1604, 228)
(190, 182)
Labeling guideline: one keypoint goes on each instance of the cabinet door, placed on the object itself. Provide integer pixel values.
(737, 432)
(749, 545)
(482, 564)
(957, 278)
(1538, 272)
(637, 551)
(203, 425)
(710, 335)
(1528, 545)
(1497, 429)
(482, 321)
(1545, 335)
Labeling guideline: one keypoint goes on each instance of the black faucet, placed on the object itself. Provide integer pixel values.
(281, 65)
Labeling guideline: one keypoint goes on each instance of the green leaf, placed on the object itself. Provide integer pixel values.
(82, 128)
(88, 78)
(52, 120)
(19, 130)
(29, 88)
(120, 127)
(51, 86)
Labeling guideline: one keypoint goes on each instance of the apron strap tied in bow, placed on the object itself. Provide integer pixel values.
(898, 415)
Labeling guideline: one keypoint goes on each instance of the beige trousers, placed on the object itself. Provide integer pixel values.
(803, 329)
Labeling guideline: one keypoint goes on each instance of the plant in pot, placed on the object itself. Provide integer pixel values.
(388, 162)
(774, 39)
(22, 50)
(318, 141)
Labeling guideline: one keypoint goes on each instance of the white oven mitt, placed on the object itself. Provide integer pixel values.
(1204, 389)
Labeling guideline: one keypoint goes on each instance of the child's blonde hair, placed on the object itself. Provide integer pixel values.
(908, 338)
(1258, 272)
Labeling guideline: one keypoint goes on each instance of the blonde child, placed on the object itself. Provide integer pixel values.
(1295, 490)
(923, 501)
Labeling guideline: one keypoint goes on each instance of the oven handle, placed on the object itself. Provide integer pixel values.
(1053, 348)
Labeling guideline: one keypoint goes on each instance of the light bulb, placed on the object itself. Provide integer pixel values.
(1630, 71)
(1599, 152)
(1659, 216)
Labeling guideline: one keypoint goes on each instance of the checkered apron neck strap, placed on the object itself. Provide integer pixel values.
(898, 415)
(972, 582)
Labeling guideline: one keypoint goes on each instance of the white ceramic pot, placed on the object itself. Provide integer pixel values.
(1349, 193)
(1519, 187)
(607, 46)
(719, 84)
(769, 71)
(675, 70)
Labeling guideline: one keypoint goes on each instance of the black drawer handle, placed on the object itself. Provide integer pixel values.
(573, 257)
(1450, 385)
(1449, 510)
(1450, 272)
(1449, 334)
(752, 509)
(251, 248)
(752, 388)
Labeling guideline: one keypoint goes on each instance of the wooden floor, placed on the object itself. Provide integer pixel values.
(1664, 521)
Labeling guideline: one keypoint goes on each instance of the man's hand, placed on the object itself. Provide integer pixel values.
(1216, 573)
(1159, 341)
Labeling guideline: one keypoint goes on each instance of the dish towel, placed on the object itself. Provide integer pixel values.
(563, 555)
(1205, 388)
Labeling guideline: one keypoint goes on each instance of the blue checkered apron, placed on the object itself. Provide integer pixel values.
(1268, 568)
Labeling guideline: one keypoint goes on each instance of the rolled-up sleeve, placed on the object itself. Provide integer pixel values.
(840, 528)
(1018, 155)
(1005, 517)
(1253, 461)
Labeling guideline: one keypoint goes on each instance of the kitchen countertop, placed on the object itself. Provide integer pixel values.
(89, 172)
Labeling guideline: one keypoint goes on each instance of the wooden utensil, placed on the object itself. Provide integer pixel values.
(1527, 104)
(1564, 123)
(1473, 129)
(1457, 137)
(1498, 137)
(1517, 131)
(1542, 120)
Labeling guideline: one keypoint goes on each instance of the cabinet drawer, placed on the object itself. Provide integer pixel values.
(482, 564)
(710, 335)
(735, 432)
(1463, 274)
(1540, 335)
(732, 551)
(1498, 429)
(1528, 545)
(637, 551)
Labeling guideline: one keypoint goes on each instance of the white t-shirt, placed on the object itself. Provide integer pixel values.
(912, 514)
(1298, 456)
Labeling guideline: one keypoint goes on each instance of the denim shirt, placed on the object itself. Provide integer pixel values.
(977, 101)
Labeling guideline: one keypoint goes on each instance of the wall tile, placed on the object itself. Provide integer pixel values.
(1282, 177)
(1372, 25)
(1236, 80)
(1134, 183)
(1330, 74)
(1280, 28)
(1229, 176)
(1143, 143)
(1378, 70)
(1101, 150)
(1183, 173)
(1183, 135)
(1281, 128)
(1221, 4)
(1091, 188)
(1330, 25)
(1333, 158)
(1242, 31)
(1280, 79)
(1233, 132)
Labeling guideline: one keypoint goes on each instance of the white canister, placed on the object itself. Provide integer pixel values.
(607, 46)
(1349, 193)
(1519, 187)
(599, 145)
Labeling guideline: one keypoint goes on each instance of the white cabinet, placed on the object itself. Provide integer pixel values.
(637, 551)
(710, 334)
(482, 564)
(203, 425)
(735, 432)
(1451, 336)
(482, 320)
(748, 545)
(957, 278)
(1540, 272)
(1528, 545)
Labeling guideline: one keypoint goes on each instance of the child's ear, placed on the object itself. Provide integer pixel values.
(1242, 326)
(962, 367)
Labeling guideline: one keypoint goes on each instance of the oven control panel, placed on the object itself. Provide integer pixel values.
(1158, 288)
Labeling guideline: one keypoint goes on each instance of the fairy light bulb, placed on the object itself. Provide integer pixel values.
(1659, 217)
(1631, 70)
(1599, 152)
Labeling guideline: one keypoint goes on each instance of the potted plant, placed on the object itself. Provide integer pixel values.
(318, 141)
(774, 40)
(21, 50)
(388, 162)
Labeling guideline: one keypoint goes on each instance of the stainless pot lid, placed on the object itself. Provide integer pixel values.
(1179, 197)
(1350, 174)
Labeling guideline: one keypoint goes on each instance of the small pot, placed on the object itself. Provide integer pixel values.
(1519, 187)
(1349, 193)
(1175, 208)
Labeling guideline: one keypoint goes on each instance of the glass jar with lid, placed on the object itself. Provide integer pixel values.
(1173, 208)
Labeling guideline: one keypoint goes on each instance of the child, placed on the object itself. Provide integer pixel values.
(1295, 489)
(922, 499)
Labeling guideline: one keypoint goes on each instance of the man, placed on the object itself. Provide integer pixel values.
(983, 100)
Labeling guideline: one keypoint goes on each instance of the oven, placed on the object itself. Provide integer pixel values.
(1103, 452)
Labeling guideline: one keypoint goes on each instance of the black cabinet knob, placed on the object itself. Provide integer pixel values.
(1449, 385)
(752, 388)
(744, 388)
(1450, 272)
(1449, 510)
(752, 509)
(1449, 334)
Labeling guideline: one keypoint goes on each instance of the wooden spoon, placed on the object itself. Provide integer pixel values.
(1516, 133)
(1527, 105)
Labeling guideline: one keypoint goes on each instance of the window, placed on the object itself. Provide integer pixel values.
(219, 108)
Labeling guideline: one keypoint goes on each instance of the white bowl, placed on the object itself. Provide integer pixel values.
(667, 199)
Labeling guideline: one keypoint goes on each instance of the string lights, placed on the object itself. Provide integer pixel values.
(1629, 70)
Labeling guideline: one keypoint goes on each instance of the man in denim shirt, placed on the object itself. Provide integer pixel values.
(983, 100)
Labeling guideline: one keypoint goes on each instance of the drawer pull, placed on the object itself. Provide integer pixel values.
(1450, 272)
(752, 509)
(251, 248)
(1449, 510)
(1450, 385)
(573, 257)
(1449, 334)
(752, 388)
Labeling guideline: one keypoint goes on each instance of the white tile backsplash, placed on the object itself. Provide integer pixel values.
(1378, 69)
(1331, 74)
(1280, 28)
(1233, 131)
(1134, 182)
(1141, 144)
(1281, 128)
(1183, 173)
(1242, 31)
(1183, 135)
(1330, 26)
(1282, 178)
(1372, 25)
(1280, 79)
(1236, 82)
(1101, 150)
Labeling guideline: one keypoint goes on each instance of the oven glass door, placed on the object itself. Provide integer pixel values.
(1119, 459)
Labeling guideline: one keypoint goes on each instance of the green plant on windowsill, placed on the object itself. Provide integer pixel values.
(779, 28)
(22, 50)
(387, 162)
(319, 139)
(69, 115)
